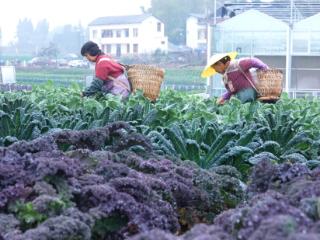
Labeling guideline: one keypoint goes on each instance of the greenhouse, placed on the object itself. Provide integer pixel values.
(286, 36)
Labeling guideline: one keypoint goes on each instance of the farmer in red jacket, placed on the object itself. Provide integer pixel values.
(109, 75)
(237, 77)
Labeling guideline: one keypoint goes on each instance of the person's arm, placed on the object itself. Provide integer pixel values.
(227, 95)
(248, 63)
(95, 86)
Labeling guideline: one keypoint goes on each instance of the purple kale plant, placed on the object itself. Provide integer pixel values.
(71, 185)
(243, 221)
(55, 228)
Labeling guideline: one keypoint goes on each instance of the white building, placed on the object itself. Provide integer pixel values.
(125, 35)
(196, 27)
(196, 35)
(0, 38)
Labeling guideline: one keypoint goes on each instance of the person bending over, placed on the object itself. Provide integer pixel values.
(109, 77)
(237, 77)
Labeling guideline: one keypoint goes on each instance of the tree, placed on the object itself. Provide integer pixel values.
(25, 34)
(41, 34)
(174, 14)
(51, 51)
(69, 38)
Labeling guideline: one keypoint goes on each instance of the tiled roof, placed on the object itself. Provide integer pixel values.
(116, 20)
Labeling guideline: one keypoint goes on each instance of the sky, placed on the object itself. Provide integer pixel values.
(61, 12)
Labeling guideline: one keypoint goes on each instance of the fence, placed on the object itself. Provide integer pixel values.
(304, 93)
(292, 93)
(184, 87)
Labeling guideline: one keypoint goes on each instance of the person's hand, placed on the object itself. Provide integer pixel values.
(220, 101)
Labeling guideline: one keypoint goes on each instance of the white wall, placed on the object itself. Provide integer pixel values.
(191, 32)
(192, 37)
(306, 36)
(148, 39)
(309, 24)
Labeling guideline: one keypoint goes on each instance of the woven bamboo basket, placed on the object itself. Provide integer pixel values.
(269, 84)
(146, 78)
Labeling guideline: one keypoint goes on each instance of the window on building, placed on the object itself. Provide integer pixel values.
(202, 34)
(300, 45)
(135, 32)
(118, 33)
(163, 42)
(128, 48)
(159, 27)
(118, 50)
(107, 33)
(103, 47)
(300, 42)
(202, 46)
(94, 34)
(135, 48)
(126, 32)
(315, 42)
(108, 48)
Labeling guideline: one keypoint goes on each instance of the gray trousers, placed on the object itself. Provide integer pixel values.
(247, 95)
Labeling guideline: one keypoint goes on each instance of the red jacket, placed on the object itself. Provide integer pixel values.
(106, 66)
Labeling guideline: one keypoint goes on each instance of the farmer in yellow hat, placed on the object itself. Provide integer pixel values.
(236, 75)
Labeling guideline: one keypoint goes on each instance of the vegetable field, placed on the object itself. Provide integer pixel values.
(181, 168)
(184, 79)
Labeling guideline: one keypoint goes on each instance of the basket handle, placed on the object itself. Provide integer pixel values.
(125, 66)
(245, 75)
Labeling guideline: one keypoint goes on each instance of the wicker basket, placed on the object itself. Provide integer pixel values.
(269, 84)
(146, 78)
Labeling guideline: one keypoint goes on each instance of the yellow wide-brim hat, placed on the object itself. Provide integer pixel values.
(208, 70)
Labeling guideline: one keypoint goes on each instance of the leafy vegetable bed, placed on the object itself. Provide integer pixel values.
(101, 190)
(283, 204)
(102, 168)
